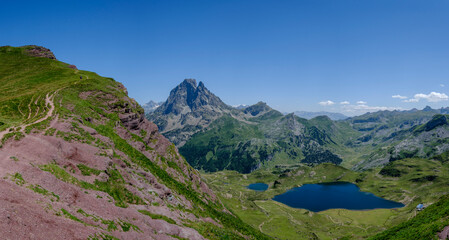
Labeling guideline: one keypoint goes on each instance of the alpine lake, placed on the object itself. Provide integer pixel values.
(324, 196)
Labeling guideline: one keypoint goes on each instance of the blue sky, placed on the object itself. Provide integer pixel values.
(310, 55)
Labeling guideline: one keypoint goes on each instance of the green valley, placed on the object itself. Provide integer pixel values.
(421, 180)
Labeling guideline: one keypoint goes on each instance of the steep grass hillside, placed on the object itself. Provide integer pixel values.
(80, 161)
(427, 224)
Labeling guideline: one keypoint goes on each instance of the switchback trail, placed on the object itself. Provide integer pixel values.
(48, 102)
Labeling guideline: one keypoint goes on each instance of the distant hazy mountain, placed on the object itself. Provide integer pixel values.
(392, 135)
(150, 106)
(241, 106)
(310, 115)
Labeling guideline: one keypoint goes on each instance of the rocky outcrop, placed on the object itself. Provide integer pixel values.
(38, 51)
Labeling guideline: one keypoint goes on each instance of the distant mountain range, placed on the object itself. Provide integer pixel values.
(393, 135)
(213, 136)
(310, 115)
(241, 106)
(150, 106)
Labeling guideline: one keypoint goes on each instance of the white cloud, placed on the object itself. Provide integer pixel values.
(399, 96)
(431, 97)
(326, 103)
(361, 102)
(344, 103)
(441, 85)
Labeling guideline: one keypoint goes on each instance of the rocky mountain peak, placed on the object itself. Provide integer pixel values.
(189, 81)
(188, 97)
(188, 109)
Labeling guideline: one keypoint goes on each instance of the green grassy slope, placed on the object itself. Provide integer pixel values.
(26, 80)
(425, 225)
(229, 144)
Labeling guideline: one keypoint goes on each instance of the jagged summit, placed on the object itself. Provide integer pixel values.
(191, 81)
(188, 97)
(189, 108)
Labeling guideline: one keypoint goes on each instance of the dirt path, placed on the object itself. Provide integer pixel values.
(261, 225)
(444, 234)
(20, 111)
(48, 101)
(29, 109)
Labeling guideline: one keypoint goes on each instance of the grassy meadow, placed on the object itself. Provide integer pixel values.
(280, 221)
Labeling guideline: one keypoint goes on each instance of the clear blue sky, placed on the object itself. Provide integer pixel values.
(293, 55)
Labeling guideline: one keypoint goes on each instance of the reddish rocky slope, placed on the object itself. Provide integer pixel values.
(86, 164)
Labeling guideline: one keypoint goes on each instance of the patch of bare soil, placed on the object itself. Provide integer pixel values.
(444, 234)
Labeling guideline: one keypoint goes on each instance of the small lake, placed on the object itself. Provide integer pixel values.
(260, 187)
(323, 196)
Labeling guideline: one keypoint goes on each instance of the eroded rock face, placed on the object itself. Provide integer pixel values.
(45, 192)
(38, 51)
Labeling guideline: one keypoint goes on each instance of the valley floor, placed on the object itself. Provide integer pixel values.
(283, 222)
